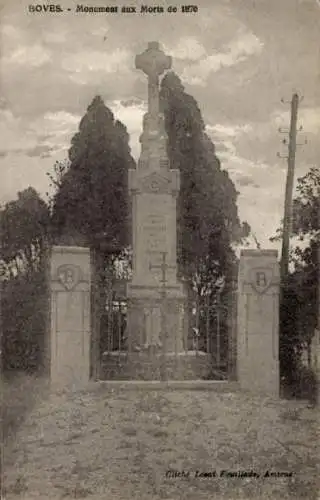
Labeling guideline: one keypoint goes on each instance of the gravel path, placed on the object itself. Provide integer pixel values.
(117, 444)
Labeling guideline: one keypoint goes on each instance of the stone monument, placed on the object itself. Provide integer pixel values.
(258, 322)
(154, 188)
(70, 316)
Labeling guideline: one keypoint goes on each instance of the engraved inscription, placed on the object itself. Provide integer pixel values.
(155, 233)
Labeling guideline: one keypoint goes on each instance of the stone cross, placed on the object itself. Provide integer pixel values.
(163, 268)
(153, 62)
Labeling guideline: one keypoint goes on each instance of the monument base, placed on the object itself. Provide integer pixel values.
(145, 320)
(147, 366)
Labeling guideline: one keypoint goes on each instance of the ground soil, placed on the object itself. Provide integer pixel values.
(117, 444)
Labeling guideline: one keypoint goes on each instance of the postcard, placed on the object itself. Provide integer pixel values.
(159, 208)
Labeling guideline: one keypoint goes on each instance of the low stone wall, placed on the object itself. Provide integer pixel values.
(145, 366)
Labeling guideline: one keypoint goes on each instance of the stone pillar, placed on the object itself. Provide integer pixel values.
(258, 322)
(70, 316)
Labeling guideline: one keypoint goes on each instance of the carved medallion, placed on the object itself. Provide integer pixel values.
(261, 278)
(155, 183)
(69, 276)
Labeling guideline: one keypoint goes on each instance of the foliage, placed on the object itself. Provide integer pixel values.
(55, 178)
(299, 314)
(24, 233)
(305, 210)
(92, 194)
(24, 306)
(306, 205)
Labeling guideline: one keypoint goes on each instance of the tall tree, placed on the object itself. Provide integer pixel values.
(92, 196)
(208, 221)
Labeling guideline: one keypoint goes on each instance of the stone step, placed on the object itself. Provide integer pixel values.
(140, 366)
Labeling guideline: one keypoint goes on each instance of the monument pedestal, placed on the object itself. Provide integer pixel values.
(157, 302)
(258, 322)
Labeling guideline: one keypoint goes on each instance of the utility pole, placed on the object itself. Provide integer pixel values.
(287, 221)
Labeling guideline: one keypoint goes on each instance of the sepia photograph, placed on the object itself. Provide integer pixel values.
(159, 250)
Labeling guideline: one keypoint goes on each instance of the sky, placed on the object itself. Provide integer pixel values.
(237, 58)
